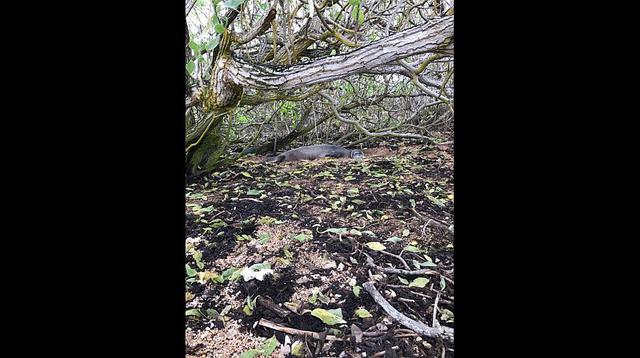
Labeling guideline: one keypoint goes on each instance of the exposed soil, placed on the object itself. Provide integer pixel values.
(255, 212)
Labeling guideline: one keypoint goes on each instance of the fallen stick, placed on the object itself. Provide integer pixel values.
(404, 263)
(443, 332)
(298, 332)
(250, 199)
(435, 322)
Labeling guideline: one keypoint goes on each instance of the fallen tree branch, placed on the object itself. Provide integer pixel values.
(443, 332)
(397, 257)
(435, 322)
(251, 199)
(298, 332)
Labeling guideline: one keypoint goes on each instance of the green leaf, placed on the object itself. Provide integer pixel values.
(191, 272)
(287, 253)
(233, 4)
(191, 66)
(403, 280)
(247, 310)
(212, 276)
(194, 46)
(416, 264)
(419, 282)
(375, 246)
(217, 223)
(324, 299)
(243, 237)
(226, 310)
(356, 290)
(212, 314)
(394, 239)
(297, 349)
(443, 283)
(329, 317)
(249, 354)
(353, 261)
(219, 28)
(313, 298)
(362, 313)
(358, 201)
(254, 192)
(193, 312)
(340, 230)
(249, 305)
(231, 274)
(269, 346)
(412, 249)
(302, 237)
(247, 175)
(405, 232)
(446, 315)
(436, 201)
(263, 237)
(197, 255)
(212, 44)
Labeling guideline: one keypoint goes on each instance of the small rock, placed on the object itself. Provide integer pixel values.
(328, 265)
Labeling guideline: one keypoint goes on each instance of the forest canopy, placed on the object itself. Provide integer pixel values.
(261, 75)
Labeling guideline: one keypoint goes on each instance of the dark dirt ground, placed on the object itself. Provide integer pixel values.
(250, 213)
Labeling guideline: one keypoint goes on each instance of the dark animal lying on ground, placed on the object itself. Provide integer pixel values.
(313, 152)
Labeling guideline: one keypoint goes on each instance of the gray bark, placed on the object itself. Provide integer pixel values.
(429, 37)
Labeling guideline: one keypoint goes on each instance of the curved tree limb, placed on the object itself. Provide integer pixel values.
(429, 37)
(443, 332)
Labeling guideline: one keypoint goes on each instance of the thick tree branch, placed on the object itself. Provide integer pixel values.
(416, 326)
(429, 37)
